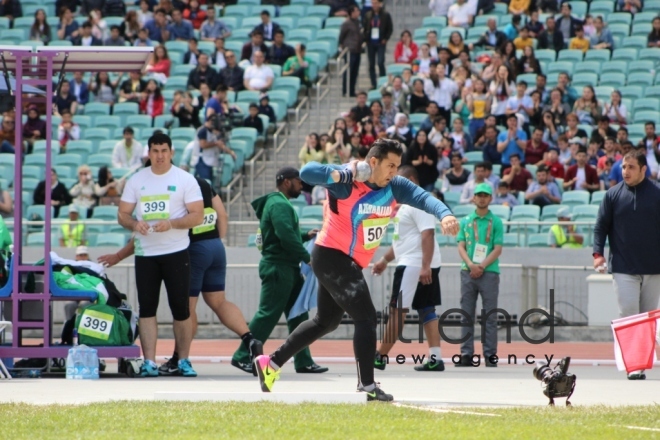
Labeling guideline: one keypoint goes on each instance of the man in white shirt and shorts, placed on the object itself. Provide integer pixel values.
(167, 202)
(416, 281)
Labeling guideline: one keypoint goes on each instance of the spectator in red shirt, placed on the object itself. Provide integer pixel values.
(406, 50)
(152, 102)
(582, 176)
(516, 176)
(194, 14)
(535, 148)
(610, 152)
(159, 65)
(555, 167)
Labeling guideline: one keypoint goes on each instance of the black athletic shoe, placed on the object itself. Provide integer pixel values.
(377, 394)
(466, 361)
(488, 363)
(312, 369)
(169, 368)
(431, 366)
(637, 376)
(256, 349)
(379, 362)
(248, 368)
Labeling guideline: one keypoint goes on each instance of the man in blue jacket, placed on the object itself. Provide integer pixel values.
(628, 217)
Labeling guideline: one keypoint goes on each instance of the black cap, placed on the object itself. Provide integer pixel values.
(286, 173)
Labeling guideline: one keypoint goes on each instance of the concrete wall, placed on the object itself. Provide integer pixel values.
(522, 286)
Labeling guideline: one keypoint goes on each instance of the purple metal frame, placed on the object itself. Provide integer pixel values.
(42, 69)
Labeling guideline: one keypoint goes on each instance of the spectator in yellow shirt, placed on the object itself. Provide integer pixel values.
(519, 7)
(579, 42)
(523, 40)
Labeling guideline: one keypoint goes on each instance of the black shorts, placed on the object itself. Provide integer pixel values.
(414, 294)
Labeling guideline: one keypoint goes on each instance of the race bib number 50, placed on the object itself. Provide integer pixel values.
(374, 230)
(155, 207)
(96, 324)
(208, 224)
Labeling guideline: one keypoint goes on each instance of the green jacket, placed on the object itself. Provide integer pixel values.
(282, 241)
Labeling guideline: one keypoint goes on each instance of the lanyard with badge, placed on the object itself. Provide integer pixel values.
(375, 28)
(480, 250)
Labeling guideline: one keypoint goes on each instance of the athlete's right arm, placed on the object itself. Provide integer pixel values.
(126, 220)
(328, 176)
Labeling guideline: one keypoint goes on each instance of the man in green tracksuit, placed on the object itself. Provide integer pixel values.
(281, 245)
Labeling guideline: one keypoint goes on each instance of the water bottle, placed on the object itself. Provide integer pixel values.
(91, 364)
(69, 364)
(74, 363)
(75, 336)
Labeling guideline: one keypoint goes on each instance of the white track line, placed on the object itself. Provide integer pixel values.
(639, 428)
(440, 410)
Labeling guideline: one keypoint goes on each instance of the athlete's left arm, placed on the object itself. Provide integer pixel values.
(408, 193)
(315, 173)
(223, 218)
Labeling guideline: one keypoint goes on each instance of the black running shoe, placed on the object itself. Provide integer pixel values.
(312, 369)
(169, 368)
(377, 394)
(431, 366)
(256, 349)
(248, 368)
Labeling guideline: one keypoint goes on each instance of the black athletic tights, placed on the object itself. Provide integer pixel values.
(342, 288)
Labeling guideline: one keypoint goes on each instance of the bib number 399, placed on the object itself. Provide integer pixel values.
(96, 324)
(155, 207)
(374, 230)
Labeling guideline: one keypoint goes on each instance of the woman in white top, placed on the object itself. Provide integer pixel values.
(144, 14)
(401, 131)
(103, 88)
(439, 8)
(422, 65)
(615, 109)
(99, 25)
(501, 89)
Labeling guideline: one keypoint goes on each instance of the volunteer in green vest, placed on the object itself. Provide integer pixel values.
(480, 241)
(282, 250)
(563, 235)
(72, 233)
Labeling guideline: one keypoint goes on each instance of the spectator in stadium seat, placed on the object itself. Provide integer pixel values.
(311, 151)
(103, 88)
(542, 191)
(232, 75)
(67, 130)
(536, 149)
(456, 45)
(267, 26)
(571, 130)
(631, 6)
(516, 176)
(158, 28)
(520, 104)
(476, 178)
(65, 99)
(401, 130)
(130, 27)
(256, 44)
(180, 29)
(550, 38)
(603, 128)
(501, 89)
(651, 139)
(492, 38)
(184, 108)
(377, 28)
(610, 149)
(127, 153)
(460, 14)
(567, 24)
(441, 90)
(503, 197)
(298, 65)
(439, 8)
(337, 150)
(192, 54)
(86, 38)
(83, 192)
(615, 110)
(557, 108)
(258, 76)
(377, 116)
(194, 14)
(203, 73)
(462, 140)
(604, 174)
(207, 149)
(399, 91)
(563, 235)
(602, 38)
(456, 176)
(79, 88)
(217, 58)
(512, 29)
(651, 162)
(582, 176)
(34, 128)
(130, 90)
(389, 110)
(519, 7)
(405, 51)
(11, 9)
(433, 43)
(523, 40)
(361, 109)
(213, 28)
(72, 233)
(145, 12)
(59, 194)
(555, 168)
(159, 65)
(653, 39)
(534, 25)
(69, 28)
(40, 29)
(143, 39)
(587, 108)
(423, 156)
(115, 38)
(266, 109)
(8, 133)
(489, 146)
(107, 188)
(579, 42)
(279, 52)
(253, 120)
(152, 102)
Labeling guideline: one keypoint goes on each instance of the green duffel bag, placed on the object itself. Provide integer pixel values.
(103, 325)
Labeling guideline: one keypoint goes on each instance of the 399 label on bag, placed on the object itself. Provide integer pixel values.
(96, 324)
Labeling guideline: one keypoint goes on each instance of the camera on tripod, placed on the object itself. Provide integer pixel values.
(557, 382)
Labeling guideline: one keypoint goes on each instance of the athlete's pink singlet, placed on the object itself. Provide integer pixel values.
(359, 224)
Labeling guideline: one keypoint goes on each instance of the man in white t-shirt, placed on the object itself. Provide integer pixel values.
(459, 14)
(258, 76)
(167, 202)
(520, 104)
(416, 281)
(127, 152)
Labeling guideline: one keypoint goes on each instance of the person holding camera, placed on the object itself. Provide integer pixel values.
(184, 109)
(361, 198)
(208, 145)
(84, 192)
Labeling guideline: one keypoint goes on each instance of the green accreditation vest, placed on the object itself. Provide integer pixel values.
(562, 240)
(73, 237)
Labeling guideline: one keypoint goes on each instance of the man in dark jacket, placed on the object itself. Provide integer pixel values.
(256, 44)
(11, 9)
(378, 29)
(351, 38)
(281, 244)
(279, 51)
(550, 37)
(267, 27)
(59, 195)
(232, 74)
(86, 38)
(203, 73)
(566, 24)
(628, 217)
(492, 38)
